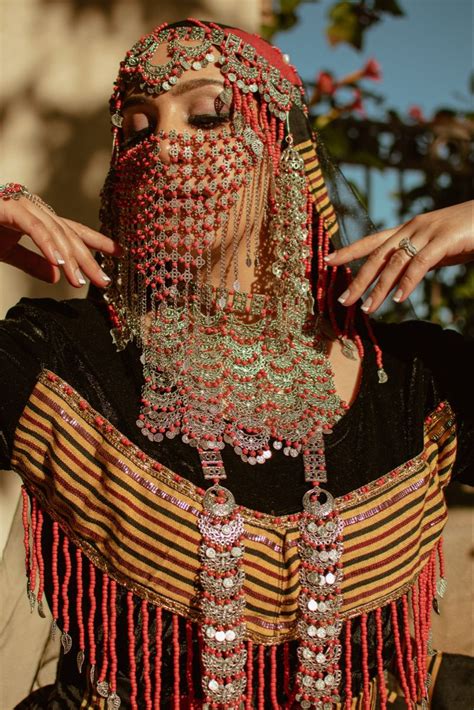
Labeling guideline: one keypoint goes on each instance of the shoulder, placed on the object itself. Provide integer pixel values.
(417, 338)
(44, 311)
(443, 356)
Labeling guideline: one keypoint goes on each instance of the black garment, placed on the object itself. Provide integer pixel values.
(382, 429)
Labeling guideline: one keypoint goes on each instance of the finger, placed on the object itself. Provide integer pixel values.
(33, 264)
(86, 263)
(24, 219)
(69, 250)
(95, 240)
(368, 272)
(361, 248)
(418, 267)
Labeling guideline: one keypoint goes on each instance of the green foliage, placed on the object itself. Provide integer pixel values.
(285, 16)
(349, 20)
(447, 294)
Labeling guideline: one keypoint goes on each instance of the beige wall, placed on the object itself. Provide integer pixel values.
(58, 61)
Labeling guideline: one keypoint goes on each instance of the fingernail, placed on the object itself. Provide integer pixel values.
(105, 277)
(80, 277)
(59, 259)
(329, 257)
(344, 296)
(366, 305)
(398, 295)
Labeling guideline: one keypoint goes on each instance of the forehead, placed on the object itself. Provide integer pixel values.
(164, 56)
(158, 61)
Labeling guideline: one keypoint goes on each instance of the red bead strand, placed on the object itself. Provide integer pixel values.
(286, 669)
(176, 657)
(408, 648)
(189, 661)
(146, 655)
(442, 570)
(79, 598)
(380, 668)
(65, 585)
(348, 660)
(33, 567)
(91, 618)
(105, 627)
(132, 665)
(399, 655)
(274, 678)
(249, 697)
(40, 559)
(159, 654)
(26, 531)
(415, 607)
(54, 574)
(261, 677)
(113, 636)
(365, 661)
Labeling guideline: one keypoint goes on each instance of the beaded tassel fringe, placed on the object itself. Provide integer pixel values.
(267, 676)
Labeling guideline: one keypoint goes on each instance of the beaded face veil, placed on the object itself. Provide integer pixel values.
(224, 230)
(222, 364)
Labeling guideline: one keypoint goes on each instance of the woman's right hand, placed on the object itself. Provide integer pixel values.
(63, 244)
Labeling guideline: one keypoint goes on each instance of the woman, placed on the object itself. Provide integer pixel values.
(237, 498)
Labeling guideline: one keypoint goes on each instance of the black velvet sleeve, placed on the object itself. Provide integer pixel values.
(448, 361)
(25, 349)
(382, 429)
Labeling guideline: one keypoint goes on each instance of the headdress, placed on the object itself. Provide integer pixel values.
(222, 365)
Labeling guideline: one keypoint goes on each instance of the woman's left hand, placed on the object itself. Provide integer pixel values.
(440, 238)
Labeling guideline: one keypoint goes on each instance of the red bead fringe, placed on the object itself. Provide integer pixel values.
(268, 670)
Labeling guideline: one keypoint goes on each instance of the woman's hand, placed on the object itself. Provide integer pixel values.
(62, 242)
(441, 238)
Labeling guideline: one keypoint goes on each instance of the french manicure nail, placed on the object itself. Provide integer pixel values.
(328, 257)
(344, 296)
(59, 259)
(398, 295)
(105, 277)
(366, 305)
(80, 277)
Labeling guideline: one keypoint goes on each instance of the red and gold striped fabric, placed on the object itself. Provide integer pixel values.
(317, 186)
(137, 520)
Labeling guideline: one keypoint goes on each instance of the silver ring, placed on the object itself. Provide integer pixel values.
(408, 247)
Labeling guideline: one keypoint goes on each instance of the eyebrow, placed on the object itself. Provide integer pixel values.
(177, 90)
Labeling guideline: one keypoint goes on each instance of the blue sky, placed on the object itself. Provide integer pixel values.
(426, 58)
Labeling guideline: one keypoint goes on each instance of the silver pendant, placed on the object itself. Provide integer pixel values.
(348, 347)
(92, 674)
(41, 609)
(103, 688)
(66, 642)
(54, 628)
(80, 660)
(441, 587)
(113, 702)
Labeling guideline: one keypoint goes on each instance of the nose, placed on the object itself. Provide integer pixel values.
(164, 124)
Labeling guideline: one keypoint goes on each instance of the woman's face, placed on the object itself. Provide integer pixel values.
(192, 103)
(198, 103)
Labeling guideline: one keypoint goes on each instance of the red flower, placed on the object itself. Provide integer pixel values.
(416, 114)
(372, 70)
(325, 83)
(357, 104)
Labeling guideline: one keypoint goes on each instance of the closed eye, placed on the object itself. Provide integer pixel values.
(208, 121)
(137, 137)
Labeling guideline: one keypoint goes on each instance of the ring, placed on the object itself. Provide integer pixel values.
(408, 247)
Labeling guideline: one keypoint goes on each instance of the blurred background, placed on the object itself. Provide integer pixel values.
(390, 85)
